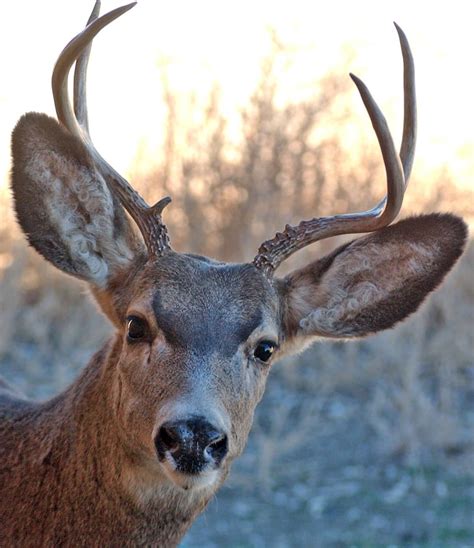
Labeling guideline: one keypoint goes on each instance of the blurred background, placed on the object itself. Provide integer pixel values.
(244, 114)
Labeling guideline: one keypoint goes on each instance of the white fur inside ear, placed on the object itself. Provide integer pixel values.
(360, 278)
(342, 308)
(80, 207)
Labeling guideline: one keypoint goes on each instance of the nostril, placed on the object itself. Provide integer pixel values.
(169, 438)
(218, 448)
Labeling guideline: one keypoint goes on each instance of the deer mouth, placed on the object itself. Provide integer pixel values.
(189, 474)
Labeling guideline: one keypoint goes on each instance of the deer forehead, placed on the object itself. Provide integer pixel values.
(209, 306)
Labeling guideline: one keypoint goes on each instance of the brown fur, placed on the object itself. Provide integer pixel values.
(82, 469)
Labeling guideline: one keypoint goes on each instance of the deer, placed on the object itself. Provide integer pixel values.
(133, 450)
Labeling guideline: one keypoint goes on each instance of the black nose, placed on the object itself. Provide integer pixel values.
(193, 444)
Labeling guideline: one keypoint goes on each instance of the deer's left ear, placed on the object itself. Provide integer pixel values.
(375, 281)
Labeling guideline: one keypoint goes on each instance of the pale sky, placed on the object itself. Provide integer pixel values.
(224, 41)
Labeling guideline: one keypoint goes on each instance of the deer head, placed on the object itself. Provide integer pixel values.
(197, 337)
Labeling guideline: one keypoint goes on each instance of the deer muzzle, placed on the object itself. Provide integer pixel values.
(192, 445)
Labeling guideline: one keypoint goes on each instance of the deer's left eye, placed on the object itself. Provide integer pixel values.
(264, 350)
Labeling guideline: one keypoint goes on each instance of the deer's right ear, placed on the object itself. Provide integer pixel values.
(64, 205)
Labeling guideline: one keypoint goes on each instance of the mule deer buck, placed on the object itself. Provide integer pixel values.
(134, 449)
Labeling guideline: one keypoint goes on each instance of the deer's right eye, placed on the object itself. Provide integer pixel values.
(137, 329)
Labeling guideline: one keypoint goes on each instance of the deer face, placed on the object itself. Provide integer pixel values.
(198, 336)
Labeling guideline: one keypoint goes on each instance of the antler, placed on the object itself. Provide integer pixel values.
(273, 252)
(148, 219)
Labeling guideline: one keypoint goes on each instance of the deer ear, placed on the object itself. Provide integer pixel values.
(373, 282)
(64, 205)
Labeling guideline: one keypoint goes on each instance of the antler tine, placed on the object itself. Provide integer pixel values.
(148, 219)
(80, 77)
(273, 252)
(407, 149)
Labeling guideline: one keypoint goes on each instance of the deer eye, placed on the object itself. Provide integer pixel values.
(137, 329)
(264, 350)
